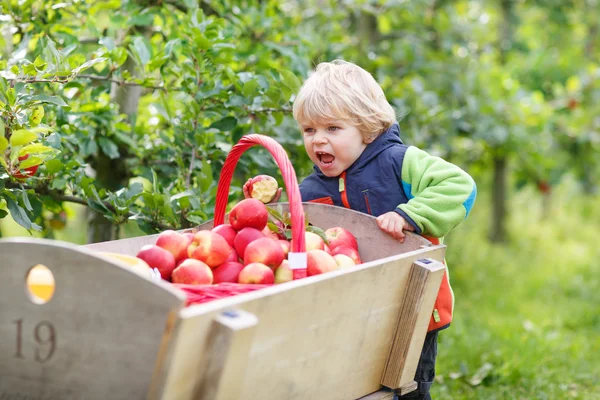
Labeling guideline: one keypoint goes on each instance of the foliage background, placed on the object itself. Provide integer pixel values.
(129, 108)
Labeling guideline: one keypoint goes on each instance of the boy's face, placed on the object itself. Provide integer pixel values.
(333, 146)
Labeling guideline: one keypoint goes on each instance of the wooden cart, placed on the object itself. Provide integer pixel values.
(108, 333)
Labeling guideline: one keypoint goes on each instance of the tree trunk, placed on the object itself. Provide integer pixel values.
(498, 233)
(112, 174)
(499, 189)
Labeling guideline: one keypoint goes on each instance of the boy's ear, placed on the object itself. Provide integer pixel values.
(369, 139)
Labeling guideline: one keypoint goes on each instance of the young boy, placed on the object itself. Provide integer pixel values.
(351, 135)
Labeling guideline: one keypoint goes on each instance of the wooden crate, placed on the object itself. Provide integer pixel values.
(108, 333)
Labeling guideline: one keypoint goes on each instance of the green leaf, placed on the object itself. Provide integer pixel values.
(290, 80)
(89, 147)
(249, 88)
(3, 143)
(25, 199)
(35, 148)
(118, 56)
(54, 166)
(275, 214)
(318, 231)
(31, 162)
(18, 213)
(154, 181)
(88, 64)
(3, 214)
(56, 100)
(139, 47)
(181, 195)
(226, 124)
(11, 96)
(109, 147)
(206, 176)
(36, 115)
(22, 137)
(40, 64)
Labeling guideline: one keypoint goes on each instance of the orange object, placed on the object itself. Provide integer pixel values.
(40, 283)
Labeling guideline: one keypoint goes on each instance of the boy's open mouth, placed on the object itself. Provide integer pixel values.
(325, 159)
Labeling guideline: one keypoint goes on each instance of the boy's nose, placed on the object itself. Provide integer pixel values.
(319, 138)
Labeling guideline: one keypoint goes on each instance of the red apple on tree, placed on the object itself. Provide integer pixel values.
(27, 172)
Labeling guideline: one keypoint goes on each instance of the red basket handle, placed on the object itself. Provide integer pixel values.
(297, 255)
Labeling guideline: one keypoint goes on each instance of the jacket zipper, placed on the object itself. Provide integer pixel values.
(367, 201)
(342, 188)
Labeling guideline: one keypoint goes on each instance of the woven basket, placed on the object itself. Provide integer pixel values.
(296, 257)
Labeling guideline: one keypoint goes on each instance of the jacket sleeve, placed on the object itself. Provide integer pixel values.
(440, 194)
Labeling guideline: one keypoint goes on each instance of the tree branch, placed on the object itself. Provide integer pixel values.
(67, 79)
(60, 197)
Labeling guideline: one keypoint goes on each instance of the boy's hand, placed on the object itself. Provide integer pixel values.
(246, 190)
(393, 224)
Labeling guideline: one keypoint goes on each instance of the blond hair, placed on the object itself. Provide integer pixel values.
(340, 90)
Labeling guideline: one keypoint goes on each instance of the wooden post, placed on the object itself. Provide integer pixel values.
(421, 291)
(228, 348)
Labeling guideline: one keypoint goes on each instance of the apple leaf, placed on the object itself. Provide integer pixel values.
(318, 231)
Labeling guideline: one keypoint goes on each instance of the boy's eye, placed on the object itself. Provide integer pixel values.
(309, 130)
(333, 128)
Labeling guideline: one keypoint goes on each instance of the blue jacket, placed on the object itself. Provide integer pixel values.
(431, 194)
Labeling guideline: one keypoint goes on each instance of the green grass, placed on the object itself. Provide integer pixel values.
(527, 313)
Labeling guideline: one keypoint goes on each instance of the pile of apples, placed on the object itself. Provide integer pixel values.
(249, 249)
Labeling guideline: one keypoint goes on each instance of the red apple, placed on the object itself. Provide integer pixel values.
(244, 238)
(256, 273)
(193, 272)
(175, 243)
(327, 249)
(27, 172)
(343, 261)
(263, 188)
(227, 232)
(228, 272)
(249, 213)
(233, 257)
(349, 251)
(284, 273)
(210, 248)
(265, 251)
(286, 246)
(314, 242)
(157, 257)
(318, 262)
(339, 236)
(189, 235)
(269, 233)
